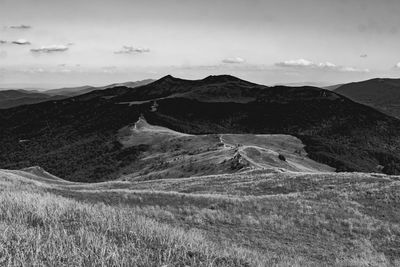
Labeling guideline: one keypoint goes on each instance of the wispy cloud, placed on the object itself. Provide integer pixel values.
(132, 50)
(295, 63)
(364, 55)
(3, 42)
(307, 64)
(20, 27)
(21, 42)
(50, 49)
(233, 60)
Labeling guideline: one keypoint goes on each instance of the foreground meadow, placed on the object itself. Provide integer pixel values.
(255, 218)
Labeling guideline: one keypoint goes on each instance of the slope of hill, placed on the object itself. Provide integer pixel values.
(78, 138)
(332, 87)
(382, 94)
(172, 154)
(255, 218)
(13, 98)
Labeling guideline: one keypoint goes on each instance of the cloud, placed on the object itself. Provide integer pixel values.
(132, 50)
(233, 60)
(21, 42)
(364, 55)
(397, 66)
(295, 63)
(306, 64)
(50, 49)
(3, 42)
(20, 27)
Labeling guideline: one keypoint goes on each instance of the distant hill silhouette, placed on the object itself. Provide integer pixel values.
(76, 138)
(70, 91)
(17, 97)
(74, 91)
(382, 94)
(12, 98)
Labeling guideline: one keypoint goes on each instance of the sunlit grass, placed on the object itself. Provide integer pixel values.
(43, 229)
(320, 220)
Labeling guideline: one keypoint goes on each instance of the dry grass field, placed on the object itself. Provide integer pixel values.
(254, 218)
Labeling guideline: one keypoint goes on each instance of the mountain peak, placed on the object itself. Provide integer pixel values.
(168, 78)
(222, 78)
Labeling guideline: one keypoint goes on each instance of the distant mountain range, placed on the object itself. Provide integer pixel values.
(12, 98)
(382, 94)
(73, 91)
(78, 138)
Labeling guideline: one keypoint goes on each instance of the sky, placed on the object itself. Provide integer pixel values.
(57, 43)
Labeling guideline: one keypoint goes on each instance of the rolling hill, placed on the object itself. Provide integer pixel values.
(13, 98)
(81, 138)
(18, 97)
(382, 94)
(211, 172)
(172, 154)
(252, 218)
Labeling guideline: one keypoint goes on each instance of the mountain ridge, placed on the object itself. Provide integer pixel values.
(77, 138)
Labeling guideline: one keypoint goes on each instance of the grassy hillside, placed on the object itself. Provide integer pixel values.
(251, 219)
(78, 138)
(40, 229)
(382, 94)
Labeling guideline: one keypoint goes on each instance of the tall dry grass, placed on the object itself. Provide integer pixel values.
(46, 230)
